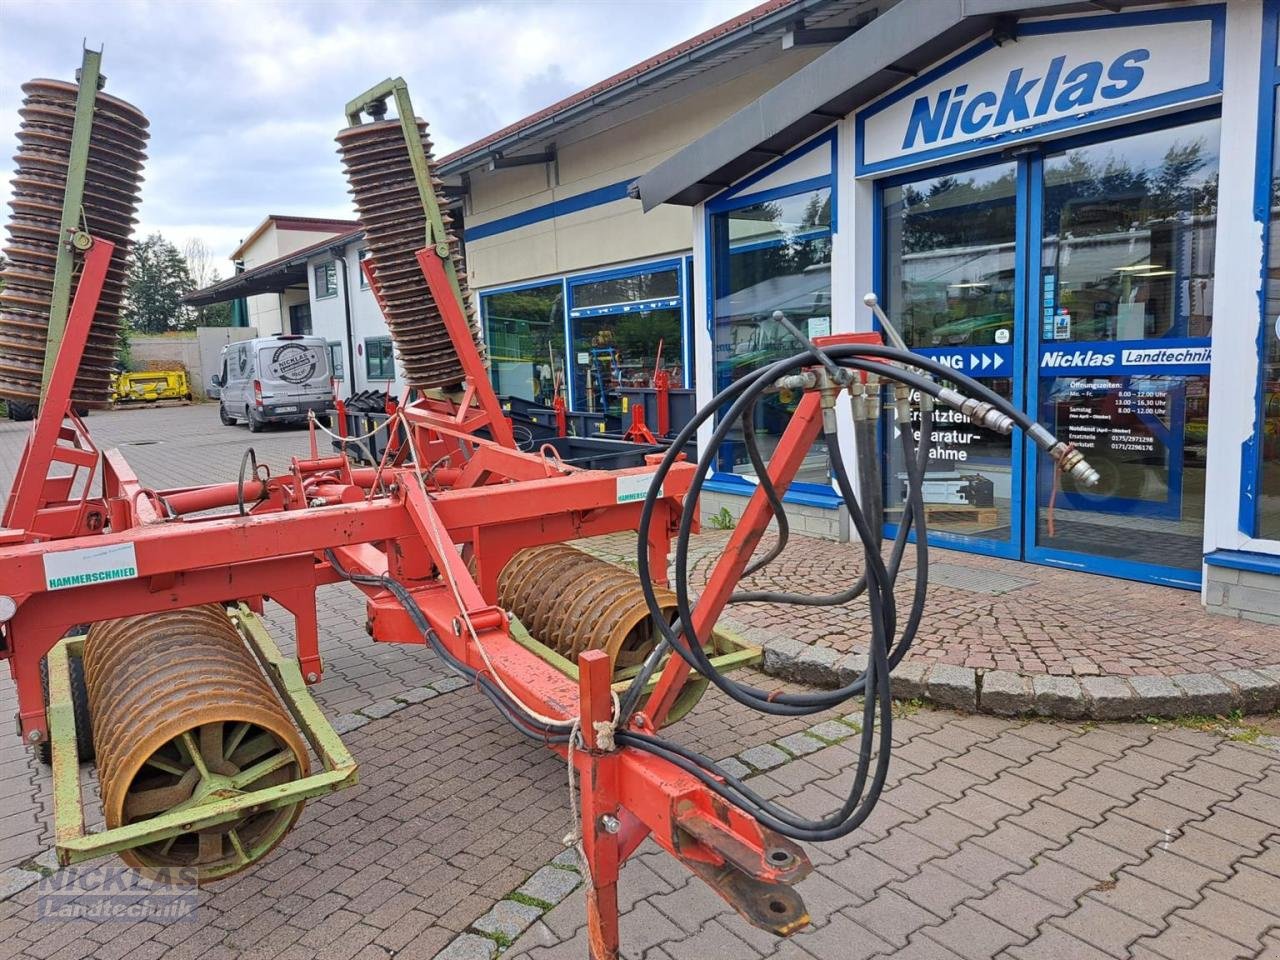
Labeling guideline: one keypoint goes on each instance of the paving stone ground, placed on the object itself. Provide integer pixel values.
(995, 837)
(987, 613)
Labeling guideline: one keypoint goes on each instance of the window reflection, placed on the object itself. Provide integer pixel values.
(524, 333)
(771, 257)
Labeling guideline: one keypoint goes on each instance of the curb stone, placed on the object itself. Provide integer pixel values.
(1006, 693)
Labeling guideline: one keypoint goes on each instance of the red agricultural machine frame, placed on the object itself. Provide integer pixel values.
(444, 533)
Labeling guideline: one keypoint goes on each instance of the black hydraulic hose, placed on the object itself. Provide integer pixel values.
(510, 709)
(886, 646)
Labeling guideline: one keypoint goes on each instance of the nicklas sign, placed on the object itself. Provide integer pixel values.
(1056, 74)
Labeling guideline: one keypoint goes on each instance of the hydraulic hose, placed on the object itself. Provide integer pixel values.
(888, 640)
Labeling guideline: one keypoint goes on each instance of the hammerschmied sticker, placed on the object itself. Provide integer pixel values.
(78, 568)
(634, 486)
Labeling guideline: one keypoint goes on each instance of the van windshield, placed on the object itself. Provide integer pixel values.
(293, 362)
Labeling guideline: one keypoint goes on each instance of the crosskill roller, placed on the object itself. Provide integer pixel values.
(130, 615)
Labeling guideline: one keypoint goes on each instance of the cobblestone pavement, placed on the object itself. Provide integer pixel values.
(994, 838)
(992, 614)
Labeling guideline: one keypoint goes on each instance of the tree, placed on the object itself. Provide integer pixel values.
(204, 274)
(158, 279)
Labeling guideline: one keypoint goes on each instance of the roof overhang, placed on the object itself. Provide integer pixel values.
(674, 66)
(900, 43)
(273, 277)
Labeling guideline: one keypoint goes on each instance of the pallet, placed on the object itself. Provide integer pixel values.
(958, 513)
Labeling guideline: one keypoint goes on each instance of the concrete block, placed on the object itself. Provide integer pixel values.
(908, 679)
(550, 885)
(14, 880)
(1157, 697)
(468, 946)
(781, 655)
(849, 667)
(832, 731)
(418, 695)
(508, 918)
(1205, 693)
(1259, 600)
(1109, 698)
(1005, 693)
(952, 686)
(1267, 618)
(382, 708)
(734, 767)
(1215, 594)
(817, 666)
(1222, 575)
(798, 744)
(764, 757)
(1058, 697)
(348, 722)
(1254, 692)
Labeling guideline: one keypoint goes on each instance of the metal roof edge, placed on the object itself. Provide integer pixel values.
(473, 155)
(785, 111)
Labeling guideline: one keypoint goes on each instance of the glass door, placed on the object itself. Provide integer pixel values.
(952, 279)
(1124, 268)
(1076, 279)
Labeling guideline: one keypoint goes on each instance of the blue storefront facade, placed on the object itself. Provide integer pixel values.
(1074, 209)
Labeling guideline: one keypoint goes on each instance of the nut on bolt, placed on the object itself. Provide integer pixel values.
(610, 824)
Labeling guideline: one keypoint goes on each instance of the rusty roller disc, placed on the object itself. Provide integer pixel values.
(382, 181)
(573, 602)
(182, 715)
(113, 179)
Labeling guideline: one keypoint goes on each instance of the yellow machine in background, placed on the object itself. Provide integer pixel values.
(151, 385)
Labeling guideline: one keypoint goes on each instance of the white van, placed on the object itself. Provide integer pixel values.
(273, 380)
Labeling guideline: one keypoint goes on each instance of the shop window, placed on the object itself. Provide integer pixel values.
(1268, 417)
(524, 334)
(1127, 256)
(950, 283)
(379, 359)
(770, 256)
(335, 359)
(326, 275)
(624, 328)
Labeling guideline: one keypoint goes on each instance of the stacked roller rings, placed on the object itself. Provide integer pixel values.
(395, 222)
(113, 180)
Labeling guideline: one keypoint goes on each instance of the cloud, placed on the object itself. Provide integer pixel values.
(245, 96)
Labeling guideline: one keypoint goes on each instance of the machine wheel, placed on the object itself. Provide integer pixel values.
(80, 705)
(255, 425)
(21, 411)
(226, 418)
(185, 717)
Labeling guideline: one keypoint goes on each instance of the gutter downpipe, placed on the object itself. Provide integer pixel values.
(340, 255)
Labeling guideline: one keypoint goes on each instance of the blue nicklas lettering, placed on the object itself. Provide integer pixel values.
(926, 123)
(1013, 102)
(1126, 73)
(1081, 86)
(1059, 93)
(953, 115)
(971, 122)
(1050, 84)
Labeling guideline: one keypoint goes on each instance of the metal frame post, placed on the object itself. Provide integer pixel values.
(90, 77)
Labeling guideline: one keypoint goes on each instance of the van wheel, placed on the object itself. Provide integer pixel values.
(255, 425)
(227, 419)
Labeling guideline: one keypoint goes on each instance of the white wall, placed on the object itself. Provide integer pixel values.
(1233, 373)
(328, 320)
(622, 145)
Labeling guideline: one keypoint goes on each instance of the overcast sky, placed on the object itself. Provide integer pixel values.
(245, 98)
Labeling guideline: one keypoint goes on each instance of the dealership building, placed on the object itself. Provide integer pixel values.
(1070, 201)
